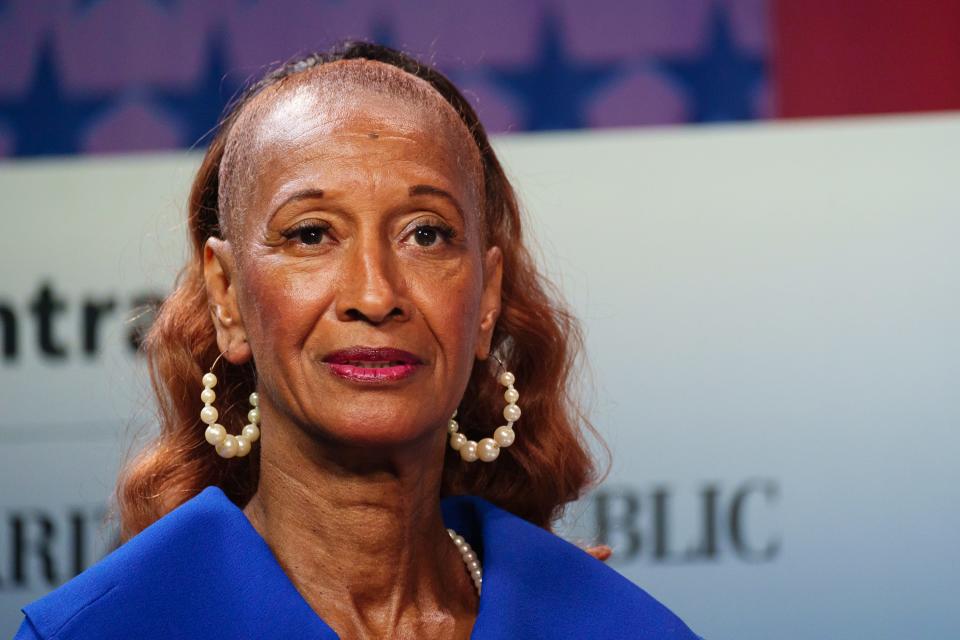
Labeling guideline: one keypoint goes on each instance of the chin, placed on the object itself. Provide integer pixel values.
(376, 430)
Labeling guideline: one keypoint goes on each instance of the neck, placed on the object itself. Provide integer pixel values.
(361, 536)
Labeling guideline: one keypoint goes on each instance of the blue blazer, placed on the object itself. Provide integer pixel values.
(165, 584)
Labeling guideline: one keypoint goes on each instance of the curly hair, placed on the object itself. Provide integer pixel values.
(548, 466)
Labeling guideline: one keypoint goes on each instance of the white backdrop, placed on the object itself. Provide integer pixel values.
(770, 311)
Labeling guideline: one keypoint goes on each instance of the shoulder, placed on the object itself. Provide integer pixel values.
(576, 595)
(164, 569)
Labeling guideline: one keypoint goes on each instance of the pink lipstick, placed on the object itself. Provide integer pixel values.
(372, 364)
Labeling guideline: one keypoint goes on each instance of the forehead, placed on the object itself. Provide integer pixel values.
(319, 122)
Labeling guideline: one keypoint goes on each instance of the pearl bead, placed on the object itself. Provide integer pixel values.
(504, 436)
(457, 440)
(215, 434)
(511, 412)
(469, 451)
(469, 559)
(209, 414)
(243, 446)
(251, 432)
(228, 448)
(488, 450)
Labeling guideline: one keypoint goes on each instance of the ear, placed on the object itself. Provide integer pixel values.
(219, 272)
(489, 300)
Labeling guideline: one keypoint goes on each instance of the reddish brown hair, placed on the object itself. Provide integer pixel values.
(548, 465)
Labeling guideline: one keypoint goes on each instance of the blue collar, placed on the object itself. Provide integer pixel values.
(204, 571)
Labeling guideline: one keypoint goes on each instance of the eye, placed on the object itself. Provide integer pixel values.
(425, 236)
(309, 232)
(429, 235)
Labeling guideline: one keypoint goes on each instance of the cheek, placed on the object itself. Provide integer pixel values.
(449, 300)
(284, 302)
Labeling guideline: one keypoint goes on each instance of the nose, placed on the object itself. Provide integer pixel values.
(371, 286)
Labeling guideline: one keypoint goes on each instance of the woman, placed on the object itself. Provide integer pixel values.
(360, 290)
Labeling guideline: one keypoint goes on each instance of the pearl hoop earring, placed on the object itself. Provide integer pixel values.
(488, 449)
(227, 445)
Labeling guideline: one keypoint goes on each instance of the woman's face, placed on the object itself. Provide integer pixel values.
(354, 266)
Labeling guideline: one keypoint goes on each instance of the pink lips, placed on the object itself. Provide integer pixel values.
(372, 364)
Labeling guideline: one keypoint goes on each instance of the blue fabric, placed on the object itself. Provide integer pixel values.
(165, 583)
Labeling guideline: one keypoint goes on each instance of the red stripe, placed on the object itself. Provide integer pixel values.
(844, 57)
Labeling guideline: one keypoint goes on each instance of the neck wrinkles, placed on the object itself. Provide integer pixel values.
(362, 538)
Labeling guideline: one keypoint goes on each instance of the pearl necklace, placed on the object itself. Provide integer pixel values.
(469, 559)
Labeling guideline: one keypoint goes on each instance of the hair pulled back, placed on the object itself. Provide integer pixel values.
(536, 337)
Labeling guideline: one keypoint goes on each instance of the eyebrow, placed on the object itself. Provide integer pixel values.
(415, 190)
(305, 194)
(430, 190)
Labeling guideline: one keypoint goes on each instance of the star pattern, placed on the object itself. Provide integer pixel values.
(46, 120)
(85, 5)
(721, 81)
(383, 33)
(554, 90)
(198, 108)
